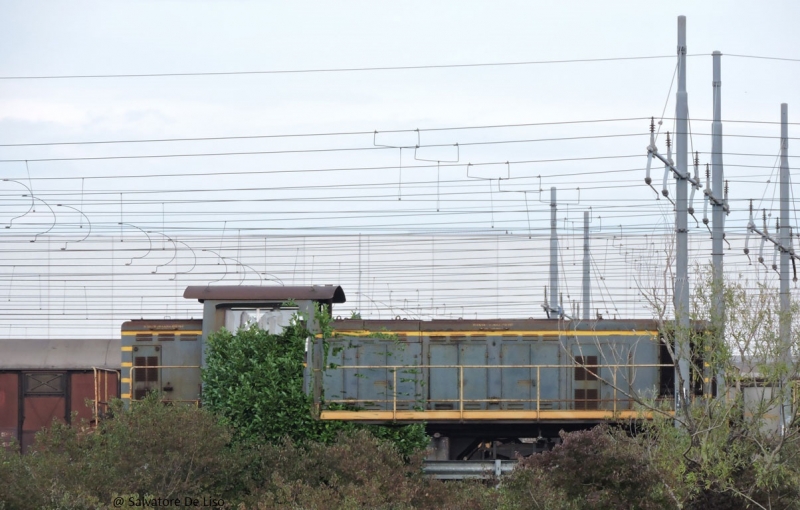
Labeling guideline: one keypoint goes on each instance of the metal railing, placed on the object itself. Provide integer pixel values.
(417, 371)
(460, 470)
(101, 388)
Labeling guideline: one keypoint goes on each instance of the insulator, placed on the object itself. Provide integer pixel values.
(775, 258)
(725, 200)
(669, 150)
(652, 145)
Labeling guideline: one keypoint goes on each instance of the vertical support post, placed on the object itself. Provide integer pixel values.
(394, 393)
(587, 287)
(615, 368)
(553, 254)
(538, 391)
(96, 397)
(717, 227)
(682, 333)
(461, 391)
(785, 316)
(308, 310)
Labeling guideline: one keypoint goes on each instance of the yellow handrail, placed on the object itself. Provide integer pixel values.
(461, 397)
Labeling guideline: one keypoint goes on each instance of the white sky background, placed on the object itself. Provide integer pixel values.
(458, 261)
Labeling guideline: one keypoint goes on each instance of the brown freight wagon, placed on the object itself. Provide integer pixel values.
(43, 380)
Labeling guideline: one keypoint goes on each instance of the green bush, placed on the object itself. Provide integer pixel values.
(149, 449)
(357, 470)
(598, 469)
(254, 380)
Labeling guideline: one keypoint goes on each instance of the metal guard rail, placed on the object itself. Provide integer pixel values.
(394, 369)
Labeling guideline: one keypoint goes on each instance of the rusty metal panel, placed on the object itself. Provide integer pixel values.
(82, 393)
(81, 397)
(9, 407)
(377, 326)
(150, 326)
(325, 293)
(39, 412)
(491, 325)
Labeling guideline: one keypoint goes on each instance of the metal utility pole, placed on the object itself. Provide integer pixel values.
(587, 289)
(785, 245)
(682, 334)
(718, 226)
(553, 254)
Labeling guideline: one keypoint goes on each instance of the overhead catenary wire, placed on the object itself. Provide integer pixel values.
(336, 70)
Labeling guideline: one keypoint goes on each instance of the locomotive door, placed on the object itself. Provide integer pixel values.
(586, 383)
(145, 379)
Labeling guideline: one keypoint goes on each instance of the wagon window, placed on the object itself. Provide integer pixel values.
(45, 383)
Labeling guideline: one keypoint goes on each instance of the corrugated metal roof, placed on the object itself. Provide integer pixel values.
(325, 293)
(30, 354)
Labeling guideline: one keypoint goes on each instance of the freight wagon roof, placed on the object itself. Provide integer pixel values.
(32, 354)
(325, 293)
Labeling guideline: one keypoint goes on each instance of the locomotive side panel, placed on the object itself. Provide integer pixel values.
(501, 370)
(374, 373)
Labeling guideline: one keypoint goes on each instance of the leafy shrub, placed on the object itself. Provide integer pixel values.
(597, 469)
(357, 470)
(150, 449)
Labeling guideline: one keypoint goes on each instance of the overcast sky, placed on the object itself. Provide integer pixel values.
(180, 198)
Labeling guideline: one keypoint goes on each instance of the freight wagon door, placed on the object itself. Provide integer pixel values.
(45, 400)
(145, 378)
